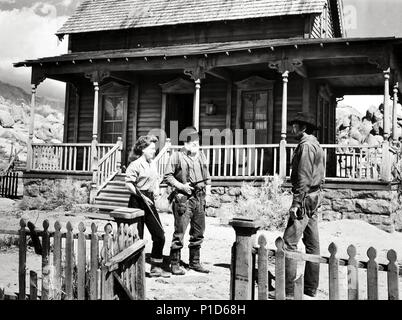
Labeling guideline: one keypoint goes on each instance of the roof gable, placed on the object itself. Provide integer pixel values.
(102, 15)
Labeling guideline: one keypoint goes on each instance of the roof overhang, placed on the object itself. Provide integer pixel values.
(346, 62)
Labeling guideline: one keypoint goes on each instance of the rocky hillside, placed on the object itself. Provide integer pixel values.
(15, 117)
(353, 128)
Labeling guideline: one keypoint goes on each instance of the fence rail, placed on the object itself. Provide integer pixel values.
(333, 262)
(9, 184)
(81, 269)
(249, 266)
(109, 165)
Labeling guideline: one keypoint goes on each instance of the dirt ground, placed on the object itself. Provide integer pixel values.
(219, 238)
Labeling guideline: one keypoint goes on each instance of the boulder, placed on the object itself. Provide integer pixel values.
(218, 190)
(6, 120)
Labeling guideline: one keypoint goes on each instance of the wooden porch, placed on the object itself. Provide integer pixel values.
(288, 76)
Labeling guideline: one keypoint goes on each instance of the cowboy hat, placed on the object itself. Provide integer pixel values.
(304, 118)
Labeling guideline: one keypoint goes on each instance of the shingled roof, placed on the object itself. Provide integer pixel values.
(101, 15)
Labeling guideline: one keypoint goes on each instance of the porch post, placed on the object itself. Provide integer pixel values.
(282, 146)
(386, 105)
(94, 145)
(386, 165)
(31, 129)
(196, 105)
(394, 113)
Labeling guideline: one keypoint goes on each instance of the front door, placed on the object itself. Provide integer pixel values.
(112, 118)
(255, 116)
(179, 107)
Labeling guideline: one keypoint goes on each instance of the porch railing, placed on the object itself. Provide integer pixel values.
(65, 157)
(246, 161)
(359, 162)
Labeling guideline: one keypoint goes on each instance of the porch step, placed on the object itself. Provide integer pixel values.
(115, 198)
(114, 191)
(106, 208)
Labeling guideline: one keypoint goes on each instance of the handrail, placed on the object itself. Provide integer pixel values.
(61, 144)
(107, 155)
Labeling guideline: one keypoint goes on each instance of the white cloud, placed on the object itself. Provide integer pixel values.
(26, 35)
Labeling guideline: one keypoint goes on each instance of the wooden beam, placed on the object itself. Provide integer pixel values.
(340, 91)
(261, 55)
(343, 71)
(220, 73)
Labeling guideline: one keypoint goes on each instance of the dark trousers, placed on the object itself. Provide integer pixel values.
(153, 223)
(190, 212)
(308, 228)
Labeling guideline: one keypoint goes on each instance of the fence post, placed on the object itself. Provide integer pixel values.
(262, 268)
(93, 276)
(22, 260)
(69, 262)
(45, 261)
(81, 262)
(372, 275)
(242, 275)
(392, 276)
(353, 276)
(57, 261)
(280, 279)
(333, 269)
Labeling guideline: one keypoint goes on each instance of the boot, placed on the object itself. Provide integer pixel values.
(175, 263)
(195, 261)
(157, 271)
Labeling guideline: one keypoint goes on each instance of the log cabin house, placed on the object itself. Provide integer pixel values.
(135, 66)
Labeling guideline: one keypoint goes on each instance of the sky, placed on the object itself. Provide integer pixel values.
(27, 30)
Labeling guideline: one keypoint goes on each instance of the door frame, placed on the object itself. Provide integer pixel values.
(255, 83)
(175, 86)
(114, 88)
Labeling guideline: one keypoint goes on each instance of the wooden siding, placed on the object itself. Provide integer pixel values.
(316, 28)
(274, 28)
(85, 114)
(149, 108)
(213, 90)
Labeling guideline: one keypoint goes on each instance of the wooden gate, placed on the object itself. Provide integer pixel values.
(82, 266)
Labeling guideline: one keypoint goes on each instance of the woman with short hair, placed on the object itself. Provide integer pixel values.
(142, 177)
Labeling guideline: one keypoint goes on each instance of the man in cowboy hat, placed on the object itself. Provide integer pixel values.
(308, 168)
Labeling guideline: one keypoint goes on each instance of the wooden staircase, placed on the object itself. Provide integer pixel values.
(114, 195)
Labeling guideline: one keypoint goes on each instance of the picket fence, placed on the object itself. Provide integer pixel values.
(249, 269)
(114, 270)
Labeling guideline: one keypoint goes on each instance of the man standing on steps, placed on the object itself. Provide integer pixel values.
(308, 172)
(187, 172)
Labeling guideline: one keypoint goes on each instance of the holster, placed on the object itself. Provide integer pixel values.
(311, 202)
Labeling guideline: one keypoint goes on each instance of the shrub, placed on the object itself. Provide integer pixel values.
(270, 203)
